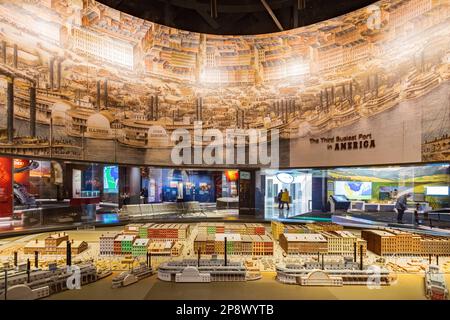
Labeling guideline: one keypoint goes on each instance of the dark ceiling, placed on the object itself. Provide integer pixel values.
(236, 16)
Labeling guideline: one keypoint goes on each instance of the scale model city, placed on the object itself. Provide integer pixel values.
(311, 254)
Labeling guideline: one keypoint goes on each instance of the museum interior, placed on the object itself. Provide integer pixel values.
(250, 150)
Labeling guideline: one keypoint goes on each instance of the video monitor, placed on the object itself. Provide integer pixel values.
(354, 190)
(111, 179)
(436, 190)
(340, 198)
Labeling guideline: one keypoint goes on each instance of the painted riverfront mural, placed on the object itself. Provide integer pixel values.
(83, 81)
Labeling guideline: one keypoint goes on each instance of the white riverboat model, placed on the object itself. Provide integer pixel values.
(314, 273)
(129, 277)
(435, 287)
(204, 270)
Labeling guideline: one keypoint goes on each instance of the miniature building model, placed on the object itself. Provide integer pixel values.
(258, 245)
(123, 244)
(161, 247)
(391, 241)
(303, 243)
(107, 243)
(54, 244)
(343, 242)
(135, 241)
(140, 247)
(279, 228)
(231, 228)
(54, 240)
(76, 247)
(176, 249)
(132, 229)
(175, 232)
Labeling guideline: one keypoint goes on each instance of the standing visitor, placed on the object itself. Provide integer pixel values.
(279, 198)
(401, 206)
(285, 199)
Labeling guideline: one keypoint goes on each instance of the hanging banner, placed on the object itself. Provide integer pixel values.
(6, 190)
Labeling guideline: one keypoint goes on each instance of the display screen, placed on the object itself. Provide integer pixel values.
(111, 179)
(436, 190)
(354, 190)
(340, 198)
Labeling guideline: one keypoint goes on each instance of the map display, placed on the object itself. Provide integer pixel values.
(354, 190)
(111, 179)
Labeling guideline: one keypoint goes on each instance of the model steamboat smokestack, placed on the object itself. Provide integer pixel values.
(15, 258)
(361, 257)
(225, 250)
(198, 258)
(6, 284)
(149, 259)
(36, 259)
(354, 252)
(28, 270)
(69, 253)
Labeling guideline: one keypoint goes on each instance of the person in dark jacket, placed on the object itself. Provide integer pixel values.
(279, 198)
(401, 206)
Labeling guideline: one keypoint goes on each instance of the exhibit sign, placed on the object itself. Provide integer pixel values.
(6, 187)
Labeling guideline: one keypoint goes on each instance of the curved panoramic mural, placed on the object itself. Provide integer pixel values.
(84, 81)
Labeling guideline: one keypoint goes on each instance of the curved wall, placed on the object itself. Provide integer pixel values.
(369, 87)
